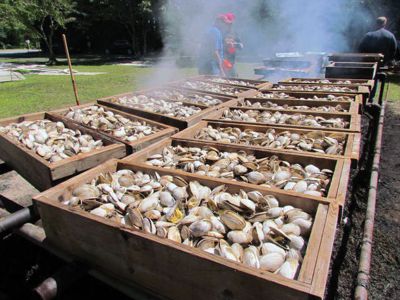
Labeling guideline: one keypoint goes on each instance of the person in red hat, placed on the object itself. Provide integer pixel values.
(211, 54)
(232, 43)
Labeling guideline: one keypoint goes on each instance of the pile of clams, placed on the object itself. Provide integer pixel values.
(212, 87)
(321, 81)
(268, 171)
(269, 104)
(246, 227)
(166, 107)
(277, 117)
(314, 141)
(51, 140)
(176, 95)
(276, 95)
(105, 120)
(233, 82)
(315, 88)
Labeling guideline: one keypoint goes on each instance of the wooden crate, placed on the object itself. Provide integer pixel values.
(351, 148)
(254, 84)
(161, 118)
(357, 57)
(165, 130)
(340, 167)
(358, 90)
(332, 81)
(173, 270)
(43, 174)
(241, 91)
(349, 107)
(353, 119)
(351, 70)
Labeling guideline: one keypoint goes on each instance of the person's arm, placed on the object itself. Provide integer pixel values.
(363, 45)
(393, 48)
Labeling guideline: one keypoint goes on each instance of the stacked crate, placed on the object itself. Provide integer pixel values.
(174, 270)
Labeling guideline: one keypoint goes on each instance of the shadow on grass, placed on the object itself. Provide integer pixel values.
(80, 59)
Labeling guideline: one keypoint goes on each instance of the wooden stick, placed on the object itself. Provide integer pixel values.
(70, 69)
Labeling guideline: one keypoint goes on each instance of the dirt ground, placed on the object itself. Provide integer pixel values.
(385, 269)
(24, 265)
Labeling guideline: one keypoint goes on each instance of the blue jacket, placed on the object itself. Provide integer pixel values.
(380, 41)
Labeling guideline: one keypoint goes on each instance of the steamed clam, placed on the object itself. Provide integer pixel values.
(241, 82)
(320, 81)
(241, 166)
(105, 120)
(277, 117)
(314, 141)
(217, 224)
(51, 140)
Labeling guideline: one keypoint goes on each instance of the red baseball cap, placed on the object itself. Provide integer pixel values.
(225, 18)
(231, 17)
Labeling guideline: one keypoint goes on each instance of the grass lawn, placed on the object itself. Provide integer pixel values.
(394, 88)
(38, 92)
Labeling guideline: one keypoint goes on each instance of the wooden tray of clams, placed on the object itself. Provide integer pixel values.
(343, 89)
(171, 106)
(240, 82)
(166, 233)
(135, 132)
(337, 107)
(213, 88)
(281, 139)
(305, 175)
(46, 148)
(308, 96)
(289, 118)
(331, 81)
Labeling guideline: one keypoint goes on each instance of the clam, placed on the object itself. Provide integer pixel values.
(233, 220)
(315, 88)
(247, 227)
(212, 87)
(271, 261)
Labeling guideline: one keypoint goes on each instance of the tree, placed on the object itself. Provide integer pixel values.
(43, 18)
(137, 17)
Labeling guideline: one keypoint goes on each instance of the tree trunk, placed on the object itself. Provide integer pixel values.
(52, 55)
(145, 42)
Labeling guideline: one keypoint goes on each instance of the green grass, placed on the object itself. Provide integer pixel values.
(394, 88)
(39, 93)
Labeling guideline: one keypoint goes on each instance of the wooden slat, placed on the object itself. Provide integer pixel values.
(308, 266)
(324, 256)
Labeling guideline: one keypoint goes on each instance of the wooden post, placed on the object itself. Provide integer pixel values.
(70, 69)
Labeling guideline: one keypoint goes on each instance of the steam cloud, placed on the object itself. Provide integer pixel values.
(265, 26)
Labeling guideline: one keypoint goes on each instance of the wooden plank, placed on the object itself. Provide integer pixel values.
(148, 260)
(351, 70)
(43, 174)
(354, 120)
(343, 184)
(350, 150)
(308, 266)
(139, 158)
(324, 256)
(164, 130)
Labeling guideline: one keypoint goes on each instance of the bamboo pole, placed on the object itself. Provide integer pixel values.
(70, 69)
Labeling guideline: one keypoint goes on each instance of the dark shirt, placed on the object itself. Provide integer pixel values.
(380, 41)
